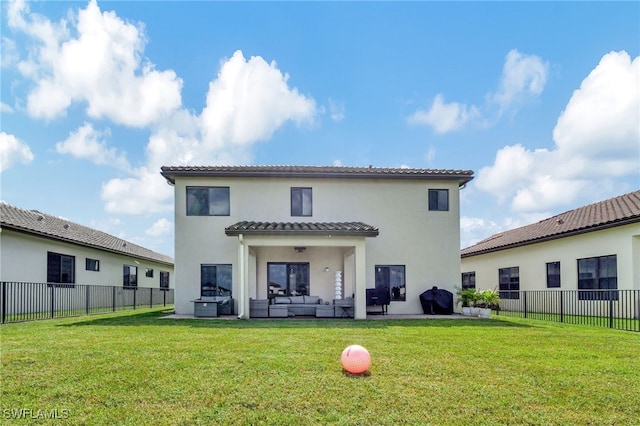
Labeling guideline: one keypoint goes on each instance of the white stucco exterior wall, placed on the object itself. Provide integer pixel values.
(622, 241)
(23, 258)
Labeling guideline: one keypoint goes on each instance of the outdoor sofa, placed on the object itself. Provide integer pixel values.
(298, 305)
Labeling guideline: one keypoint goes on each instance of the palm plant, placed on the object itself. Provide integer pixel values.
(467, 297)
(489, 299)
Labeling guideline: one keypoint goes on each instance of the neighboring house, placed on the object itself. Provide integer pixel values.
(595, 247)
(252, 232)
(39, 248)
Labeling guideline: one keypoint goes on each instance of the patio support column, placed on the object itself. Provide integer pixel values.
(360, 301)
(243, 266)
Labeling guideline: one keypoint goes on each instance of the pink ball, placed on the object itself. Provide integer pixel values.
(355, 359)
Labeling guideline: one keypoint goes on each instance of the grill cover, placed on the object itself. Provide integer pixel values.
(437, 302)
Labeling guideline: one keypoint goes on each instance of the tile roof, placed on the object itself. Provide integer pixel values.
(303, 228)
(171, 172)
(40, 224)
(621, 210)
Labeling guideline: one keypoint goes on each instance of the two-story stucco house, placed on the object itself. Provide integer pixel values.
(254, 231)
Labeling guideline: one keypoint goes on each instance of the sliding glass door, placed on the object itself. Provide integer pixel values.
(288, 279)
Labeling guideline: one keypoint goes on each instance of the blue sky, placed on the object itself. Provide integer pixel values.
(540, 99)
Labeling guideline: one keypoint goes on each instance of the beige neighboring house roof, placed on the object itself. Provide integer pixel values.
(622, 210)
(302, 228)
(43, 225)
(171, 172)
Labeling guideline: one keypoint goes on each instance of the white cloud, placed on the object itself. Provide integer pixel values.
(336, 110)
(145, 192)
(444, 117)
(9, 54)
(473, 229)
(597, 139)
(103, 66)
(13, 150)
(5, 108)
(88, 143)
(430, 155)
(601, 123)
(523, 76)
(160, 228)
(98, 59)
(248, 101)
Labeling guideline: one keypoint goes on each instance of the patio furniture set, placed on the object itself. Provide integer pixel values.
(284, 307)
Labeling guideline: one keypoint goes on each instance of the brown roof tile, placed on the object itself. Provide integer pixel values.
(616, 211)
(52, 227)
(302, 228)
(171, 172)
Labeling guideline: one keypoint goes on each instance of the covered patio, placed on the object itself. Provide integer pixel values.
(282, 259)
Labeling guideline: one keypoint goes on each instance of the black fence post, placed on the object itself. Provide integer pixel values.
(151, 298)
(524, 303)
(88, 300)
(3, 303)
(113, 297)
(164, 298)
(53, 304)
(610, 309)
(135, 292)
(561, 306)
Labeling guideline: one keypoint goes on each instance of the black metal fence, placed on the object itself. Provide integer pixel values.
(20, 301)
(619, 309)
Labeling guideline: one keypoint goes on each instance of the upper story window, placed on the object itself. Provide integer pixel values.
(61, 268)
(148, 272)
(301, 202)
(439, 200)
(208, 201)
(553, 275)
(92, 264)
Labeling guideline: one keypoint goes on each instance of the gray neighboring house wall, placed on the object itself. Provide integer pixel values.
(38, 247)
(243, 226)
(595, 246)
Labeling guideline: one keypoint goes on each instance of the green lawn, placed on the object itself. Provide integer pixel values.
(137, 368)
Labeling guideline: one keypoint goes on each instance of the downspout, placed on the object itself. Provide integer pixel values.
(243, 302)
